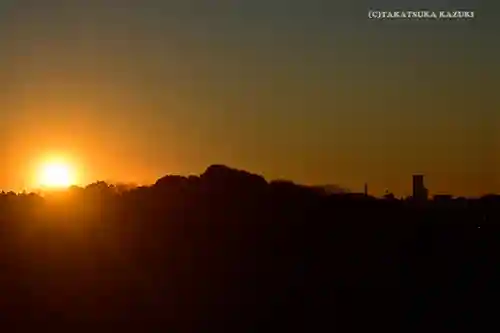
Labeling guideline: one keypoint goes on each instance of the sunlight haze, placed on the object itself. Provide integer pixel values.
(56, 174)
(311, 91)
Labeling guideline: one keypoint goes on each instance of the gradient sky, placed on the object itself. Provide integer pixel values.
(308, 90)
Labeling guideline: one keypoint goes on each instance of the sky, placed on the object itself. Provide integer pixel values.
(311, 91)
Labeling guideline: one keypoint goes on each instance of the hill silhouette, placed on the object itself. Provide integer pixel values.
(230, 251)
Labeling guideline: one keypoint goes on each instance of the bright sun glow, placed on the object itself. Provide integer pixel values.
(56, 175)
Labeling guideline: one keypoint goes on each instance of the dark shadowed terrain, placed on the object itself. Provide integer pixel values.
(230, 252)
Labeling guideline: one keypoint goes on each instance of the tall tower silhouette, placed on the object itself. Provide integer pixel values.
(420, 193)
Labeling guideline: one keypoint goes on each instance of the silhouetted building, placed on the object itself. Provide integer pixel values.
(420, 193)
(389, 196)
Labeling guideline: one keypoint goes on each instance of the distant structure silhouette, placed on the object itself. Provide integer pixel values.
(389, 195)
(420, 192)
(228, 250)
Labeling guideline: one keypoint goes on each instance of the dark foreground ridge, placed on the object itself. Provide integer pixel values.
(230, 252)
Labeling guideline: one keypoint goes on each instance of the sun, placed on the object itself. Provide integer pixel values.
(56, 175)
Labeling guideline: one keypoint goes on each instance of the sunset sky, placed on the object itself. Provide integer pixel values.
(308, 90)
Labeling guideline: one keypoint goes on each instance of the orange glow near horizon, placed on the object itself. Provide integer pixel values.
(56, 174)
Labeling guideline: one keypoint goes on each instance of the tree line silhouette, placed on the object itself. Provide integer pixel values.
(230, 251)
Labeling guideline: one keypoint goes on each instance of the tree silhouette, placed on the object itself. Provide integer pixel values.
(230, 251)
